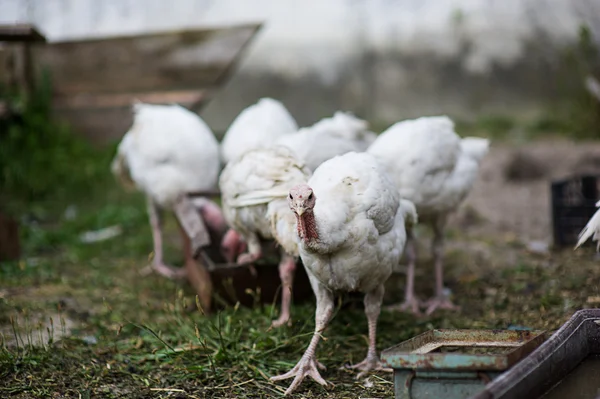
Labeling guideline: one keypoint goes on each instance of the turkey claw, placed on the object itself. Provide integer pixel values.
(410, 304)
(439, 303)
(248, 258)
(367, 365)
(281, 321)
(305, 367)
(164, 270)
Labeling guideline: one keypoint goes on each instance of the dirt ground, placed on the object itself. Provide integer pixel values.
(522, 206)
(122, 336)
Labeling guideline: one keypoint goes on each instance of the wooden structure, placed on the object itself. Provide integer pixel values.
(17, 42)
(95, 81)
(10, 246)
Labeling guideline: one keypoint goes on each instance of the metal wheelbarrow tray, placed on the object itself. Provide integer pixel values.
(537, 374)
(231, 282)
(455, 363)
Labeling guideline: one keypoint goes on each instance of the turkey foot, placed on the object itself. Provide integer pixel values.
(281, 320)
(307, 366)
(411, 304)
(164, 270)
(247, 258)
(439, 303)
(287, 266)
(371, 363)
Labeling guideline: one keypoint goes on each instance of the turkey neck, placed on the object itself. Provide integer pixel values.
(307, 228)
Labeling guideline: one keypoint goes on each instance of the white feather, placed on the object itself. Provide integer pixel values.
(431, 165)
(591, 229)
(361, 231)
(257, 126)
(167, 152)
(254, 190)
(336, 135)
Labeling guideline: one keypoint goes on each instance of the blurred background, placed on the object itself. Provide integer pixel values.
(385, 60)
(523, 73)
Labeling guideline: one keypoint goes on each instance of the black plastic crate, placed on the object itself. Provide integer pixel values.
(573, 204)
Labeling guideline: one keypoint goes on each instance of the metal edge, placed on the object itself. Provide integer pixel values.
(514, 383)
(229, 70)
(506, 360)
(205, 28)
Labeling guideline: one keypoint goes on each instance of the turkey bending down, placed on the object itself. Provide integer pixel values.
(257, 126)
(435, 169)
(314, 145)
(254, 190)
(337, 135)
(167, 153)
(591, 229)
(350, 223)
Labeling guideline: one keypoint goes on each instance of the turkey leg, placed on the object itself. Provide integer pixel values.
(197, 274)
(254, 253)
(157, 262)
(372, 303)
(307, 366)
(410, 301)
(287, 267)
(440, 300)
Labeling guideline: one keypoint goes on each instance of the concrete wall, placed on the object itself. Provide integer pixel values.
(384, 59)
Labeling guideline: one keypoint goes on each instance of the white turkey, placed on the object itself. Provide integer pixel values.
(591, 229)
(254, 190)
(435, 169)
(167, 153)
(336, 135)
(314, 145)
(257, 126)
(350, 223)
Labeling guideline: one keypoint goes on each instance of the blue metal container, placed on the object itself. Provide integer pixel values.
(455, 364)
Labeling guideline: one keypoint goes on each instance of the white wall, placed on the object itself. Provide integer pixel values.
(320, 39)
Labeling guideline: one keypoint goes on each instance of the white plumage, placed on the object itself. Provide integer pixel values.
(435, 169)
(591, 229)
(168, 152)
(254, 188)
(336, 135)
(351, 229)
(257, 126)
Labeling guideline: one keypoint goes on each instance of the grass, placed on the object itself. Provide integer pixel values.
(114, 334)
(77, 320)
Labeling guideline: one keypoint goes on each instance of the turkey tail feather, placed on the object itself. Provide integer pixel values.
(120, 170)
(409, 212)
(592, 228)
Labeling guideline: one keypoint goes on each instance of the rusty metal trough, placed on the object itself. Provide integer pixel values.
(211, 276)
(455, 363)
(544, 370)
(235, 282)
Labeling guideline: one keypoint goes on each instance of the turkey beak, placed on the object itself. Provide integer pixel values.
(299, 210)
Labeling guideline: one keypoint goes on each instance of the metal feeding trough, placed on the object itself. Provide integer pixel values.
(566, 365)
(211, 276)
(453, 364)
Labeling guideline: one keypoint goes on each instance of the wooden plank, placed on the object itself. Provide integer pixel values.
(96, 80)
(192, 59)
(10, 246)
(191, 98)
(20, 33)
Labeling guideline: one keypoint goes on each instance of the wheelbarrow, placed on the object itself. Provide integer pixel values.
(211, 276)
